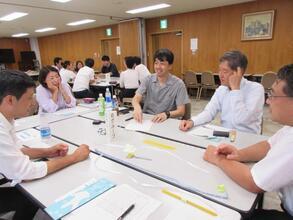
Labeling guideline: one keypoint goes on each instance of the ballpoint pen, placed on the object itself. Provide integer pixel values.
(126, 212)
(206, 210)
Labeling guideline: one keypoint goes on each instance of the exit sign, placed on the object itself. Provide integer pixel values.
(163, 24)
(109, 32)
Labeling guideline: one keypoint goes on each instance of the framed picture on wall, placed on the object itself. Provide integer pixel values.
(258, 25)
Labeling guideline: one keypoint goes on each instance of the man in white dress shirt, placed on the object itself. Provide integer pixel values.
(142, 70)
(16, 99)
(57, 63)
(239, 101)
(273, 170)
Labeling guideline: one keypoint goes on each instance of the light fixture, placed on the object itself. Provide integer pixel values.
(45, 29)
(85, 21)
(13, 16)
(148, 8)
(61, 1)
(20, 35)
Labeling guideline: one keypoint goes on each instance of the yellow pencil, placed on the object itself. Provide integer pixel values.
(206, 210)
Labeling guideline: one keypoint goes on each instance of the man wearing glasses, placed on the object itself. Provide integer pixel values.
(273, 171)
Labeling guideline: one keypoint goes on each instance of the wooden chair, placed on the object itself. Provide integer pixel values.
(207, 82)
(191, 82)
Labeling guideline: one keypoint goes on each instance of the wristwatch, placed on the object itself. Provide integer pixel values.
(167, 114)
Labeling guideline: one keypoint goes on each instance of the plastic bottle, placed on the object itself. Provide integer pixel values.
(115, 105)
(101, 102)
(45, 130)
(108, 100)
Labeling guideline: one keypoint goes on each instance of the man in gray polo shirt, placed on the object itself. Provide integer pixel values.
(164, 95)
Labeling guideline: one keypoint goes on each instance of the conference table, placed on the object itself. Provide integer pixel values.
(50, 189)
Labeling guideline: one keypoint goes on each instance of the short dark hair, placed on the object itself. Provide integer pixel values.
(105, 58)
(56, 60)
(286, 74)
(235, 59)
(129, 61)
(15, 83)
(164, 55)
(89, 62)
(66, 64)
(77, 62)
(44, 73)
(137, 60)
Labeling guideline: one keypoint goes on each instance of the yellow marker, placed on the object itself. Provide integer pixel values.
(206, 210)
(159, 145)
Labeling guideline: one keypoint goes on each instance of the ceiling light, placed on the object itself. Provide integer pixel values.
(62, 1)
(20, 35)
(85, 21)
(148, 8)
(45, 29)
(13, 16)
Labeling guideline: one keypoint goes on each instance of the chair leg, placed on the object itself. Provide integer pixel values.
(199, 93)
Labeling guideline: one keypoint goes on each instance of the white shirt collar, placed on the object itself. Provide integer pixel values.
(6, 124)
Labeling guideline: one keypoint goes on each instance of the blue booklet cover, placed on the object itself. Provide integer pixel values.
(78, 197)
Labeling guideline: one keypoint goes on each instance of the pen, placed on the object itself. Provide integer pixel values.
(126, 212)
(206, 210)
(128, 119)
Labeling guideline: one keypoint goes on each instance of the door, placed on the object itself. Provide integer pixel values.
(109, 47)
(172, 41)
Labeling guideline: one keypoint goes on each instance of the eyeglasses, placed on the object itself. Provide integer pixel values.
(271, 96)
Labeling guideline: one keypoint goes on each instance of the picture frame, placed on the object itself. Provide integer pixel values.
(258, 25)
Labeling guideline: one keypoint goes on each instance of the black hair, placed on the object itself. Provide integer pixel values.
(76, 64)
(89, 62)
(44, 73)
(164, 55)
(66, 64)
(286, 74)
(235, 59)
(56, 60)
(129, 61)
(105, 58)
(137, 60)
(15, 83)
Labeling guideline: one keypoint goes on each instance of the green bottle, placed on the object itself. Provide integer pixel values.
(101, 101)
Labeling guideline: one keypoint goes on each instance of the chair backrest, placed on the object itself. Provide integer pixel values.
(207, 78)
(190, 78)
(187, 114)
(268, 79)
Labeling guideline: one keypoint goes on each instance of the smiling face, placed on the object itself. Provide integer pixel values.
(53, 78)
(162, 68)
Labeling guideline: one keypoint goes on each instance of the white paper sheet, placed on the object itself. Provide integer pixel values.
(112, 204)
(135, 126)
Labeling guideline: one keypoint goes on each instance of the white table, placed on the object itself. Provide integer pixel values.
(46, 190)
(33, 121)
(168, 165)
(169, 129)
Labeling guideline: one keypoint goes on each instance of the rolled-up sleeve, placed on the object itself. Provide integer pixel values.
(142, 89)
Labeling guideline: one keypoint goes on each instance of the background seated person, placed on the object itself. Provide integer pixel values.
(52, 94)
(164, 94)
(108, 67)
(83, 79)
(128, 79)
(66, 73)
(142, 70)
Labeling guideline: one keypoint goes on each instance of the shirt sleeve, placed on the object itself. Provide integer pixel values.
(248, 110)
(182, 96)
(142, 89)
(274, 171)
(45, 100)
(114, 70)
(210, 111)
(68, 91)
(92, 74)
(15, 165)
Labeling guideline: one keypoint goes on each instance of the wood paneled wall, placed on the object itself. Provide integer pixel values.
(76, 45)
(17, 44)
(129, 39)
(219, 30)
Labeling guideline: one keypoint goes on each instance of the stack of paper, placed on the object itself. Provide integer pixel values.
(136, 126)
